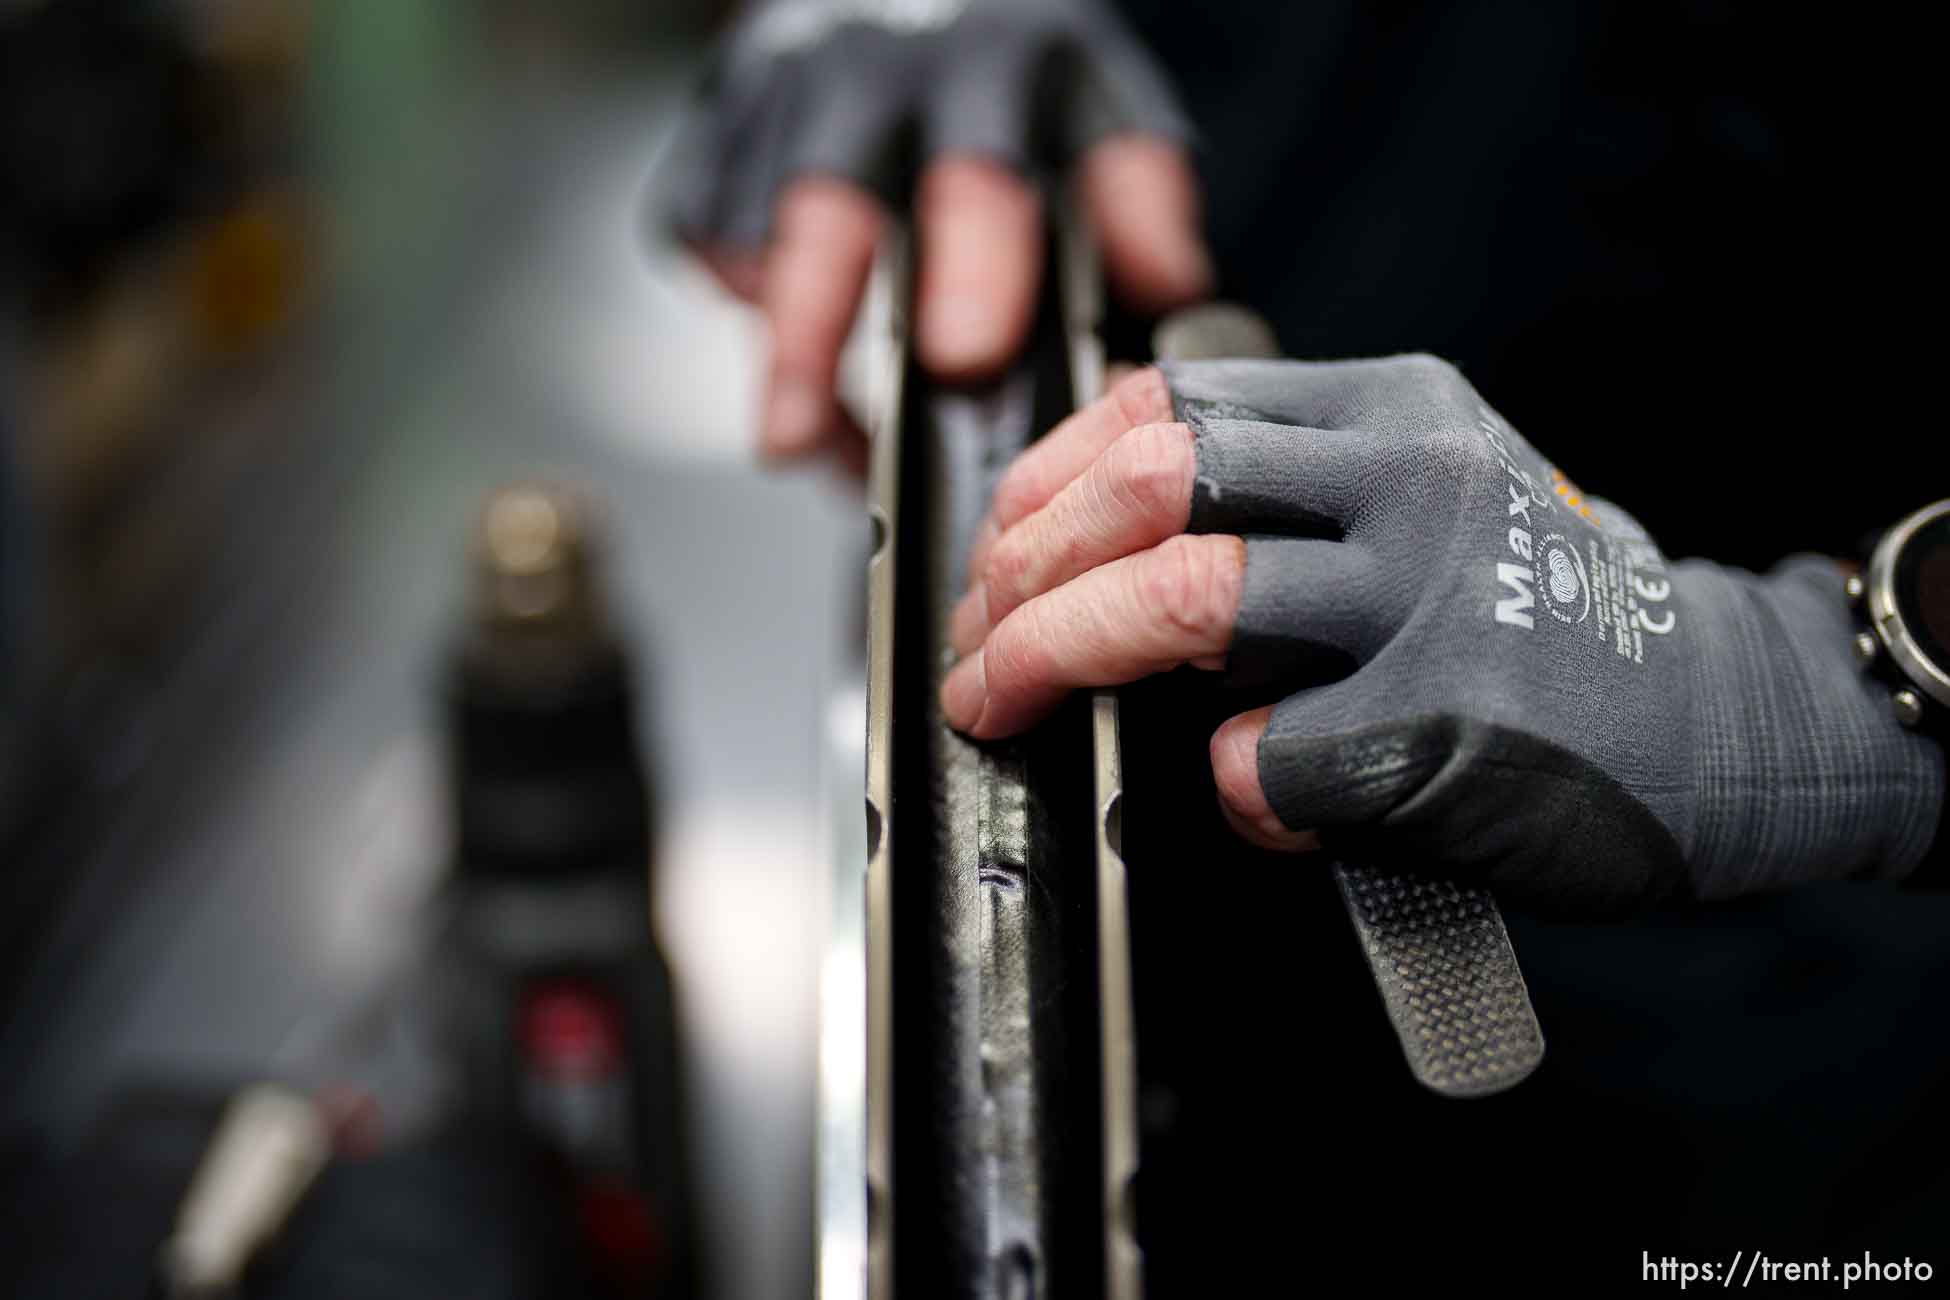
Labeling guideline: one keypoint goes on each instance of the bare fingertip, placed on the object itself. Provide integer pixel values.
(964, 694)
(962, 336)
(986, 534)
(1272, 837)
(1188, 275)
(1172, 271)
(741, 273)
(1144, 200)
(1235, 763)
(1235, 769)
(795, 417)
(970, 622)
(1143, 397)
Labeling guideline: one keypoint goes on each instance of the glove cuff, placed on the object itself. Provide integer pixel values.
(1800, 769)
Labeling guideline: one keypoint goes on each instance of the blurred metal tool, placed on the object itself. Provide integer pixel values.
(567, 1007)
(531, 563)
(542, 711)
(1211, 331)
(269, 1147)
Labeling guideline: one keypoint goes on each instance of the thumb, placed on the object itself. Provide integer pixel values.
(1448, 795)
(1235, 768)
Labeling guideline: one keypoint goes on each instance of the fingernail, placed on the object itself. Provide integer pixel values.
(1268, 832)
(965, 693)
(794, 417)
(961, 330)
(970, 621)
(1279, 837)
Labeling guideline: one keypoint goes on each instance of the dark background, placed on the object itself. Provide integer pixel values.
(1689, 251)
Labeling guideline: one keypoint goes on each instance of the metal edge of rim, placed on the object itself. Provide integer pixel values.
(1123, 1258)
(889, 291)
(1117, 1008)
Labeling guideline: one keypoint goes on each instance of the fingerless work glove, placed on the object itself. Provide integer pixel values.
(1500, 675)
(823, 86)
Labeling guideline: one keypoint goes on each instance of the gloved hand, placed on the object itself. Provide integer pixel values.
(1493, 674)
(792, 149)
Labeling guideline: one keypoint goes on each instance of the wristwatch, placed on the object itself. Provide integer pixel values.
(1905, 592)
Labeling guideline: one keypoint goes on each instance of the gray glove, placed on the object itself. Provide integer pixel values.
(1518, 686)
(825, 86)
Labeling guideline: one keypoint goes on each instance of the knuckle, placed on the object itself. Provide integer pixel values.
(1427, 363)
(1432, 375)
(1012, 652)
(1193, 586)
(1007, 568)
(1018, 493)
(1143, 397)
(1151, 471)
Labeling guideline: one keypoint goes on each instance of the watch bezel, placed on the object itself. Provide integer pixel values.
(1886, 615)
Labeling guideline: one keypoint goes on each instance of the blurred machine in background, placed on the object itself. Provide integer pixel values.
(512, 1096)
(289, 289)
(575, 1029)
(154, 246)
